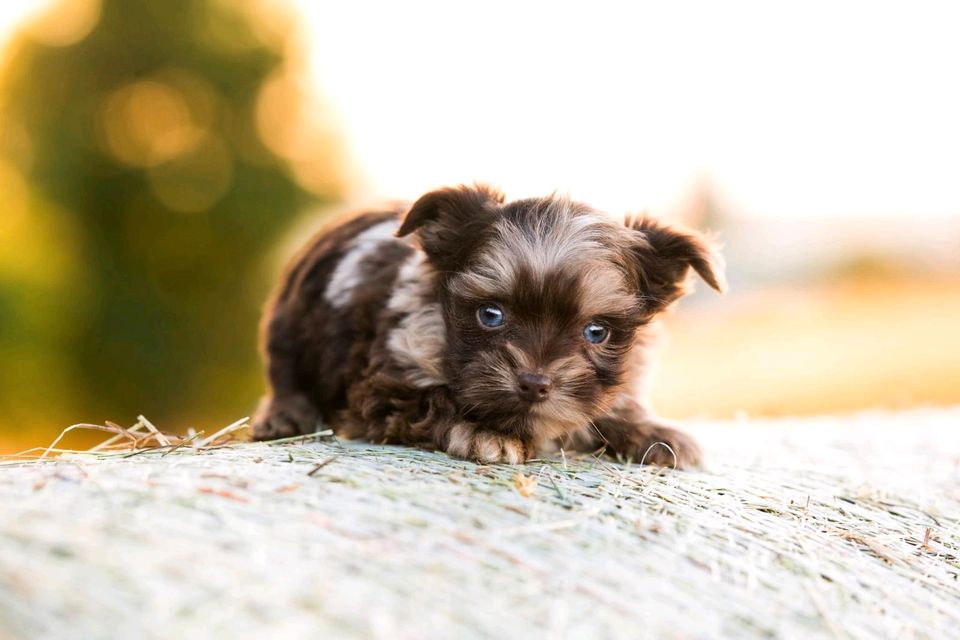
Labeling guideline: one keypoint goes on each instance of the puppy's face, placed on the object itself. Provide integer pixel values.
(542, 301)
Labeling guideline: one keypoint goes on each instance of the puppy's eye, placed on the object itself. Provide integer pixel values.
(596, 333)
(490, 315)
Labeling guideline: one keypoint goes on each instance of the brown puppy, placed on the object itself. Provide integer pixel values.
(483, 328)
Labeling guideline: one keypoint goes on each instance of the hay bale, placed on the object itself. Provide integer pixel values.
(824, 527)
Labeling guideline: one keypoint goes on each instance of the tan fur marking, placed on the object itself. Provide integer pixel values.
(522, 359)
(570, 239)
(607, 292)
(556, 416)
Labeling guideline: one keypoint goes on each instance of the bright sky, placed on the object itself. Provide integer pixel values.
(812, 108)
(809, 108)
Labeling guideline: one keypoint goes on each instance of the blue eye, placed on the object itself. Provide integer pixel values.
(490, 316)
(596, 333)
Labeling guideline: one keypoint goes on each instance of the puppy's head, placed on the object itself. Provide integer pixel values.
(542, 300)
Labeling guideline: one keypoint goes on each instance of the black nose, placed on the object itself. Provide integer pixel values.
(533, 387)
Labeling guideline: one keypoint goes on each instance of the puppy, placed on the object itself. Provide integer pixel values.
(483, 328)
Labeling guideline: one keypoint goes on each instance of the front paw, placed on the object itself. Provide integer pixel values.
(282, 418)
(466, 441)
(664, 447)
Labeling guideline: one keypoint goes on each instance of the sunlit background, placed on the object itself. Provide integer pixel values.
(159, 160)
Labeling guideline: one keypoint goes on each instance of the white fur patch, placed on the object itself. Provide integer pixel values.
(347, 275)
(465, 442)
(460, 441)
(488, 447)
(419, 340)
(414, 283)
(417, 343)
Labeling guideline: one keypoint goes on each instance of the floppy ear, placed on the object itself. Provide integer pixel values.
(664, 256)
(451, 222)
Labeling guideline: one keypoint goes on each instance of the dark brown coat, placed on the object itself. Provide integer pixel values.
(483, 328)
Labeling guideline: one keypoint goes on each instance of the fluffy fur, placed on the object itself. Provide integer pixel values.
(375, 330)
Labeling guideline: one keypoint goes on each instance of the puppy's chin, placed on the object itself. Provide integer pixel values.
(557, 417)
(506, 413)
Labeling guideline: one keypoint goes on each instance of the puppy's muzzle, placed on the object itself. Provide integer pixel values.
(533, 387)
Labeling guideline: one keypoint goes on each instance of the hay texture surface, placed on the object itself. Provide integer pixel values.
(845, 527)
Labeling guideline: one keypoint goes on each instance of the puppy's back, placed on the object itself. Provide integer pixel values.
(320, 322)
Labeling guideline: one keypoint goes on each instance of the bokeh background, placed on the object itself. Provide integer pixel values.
(160, 160)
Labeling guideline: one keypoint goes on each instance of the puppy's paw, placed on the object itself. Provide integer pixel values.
(664, 446)
(284, 417)
(466, 441)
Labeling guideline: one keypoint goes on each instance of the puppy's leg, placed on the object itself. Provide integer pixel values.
(384, 409)
(630, 431)
(285, 411)
(282, 416)
(464, 440)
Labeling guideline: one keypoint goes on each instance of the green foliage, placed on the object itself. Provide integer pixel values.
(149, 207)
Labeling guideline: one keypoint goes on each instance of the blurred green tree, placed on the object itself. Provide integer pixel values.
(152, 164)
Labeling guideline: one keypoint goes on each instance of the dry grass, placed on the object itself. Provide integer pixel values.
(844, 527)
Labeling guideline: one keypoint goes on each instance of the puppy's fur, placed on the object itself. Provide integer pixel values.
(375, 330)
